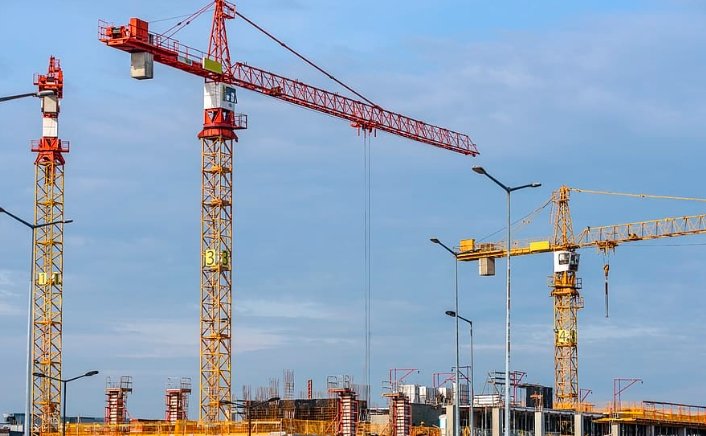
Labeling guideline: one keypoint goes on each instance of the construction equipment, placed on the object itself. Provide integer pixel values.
(217, 140)
(565, 283)
(48, 256)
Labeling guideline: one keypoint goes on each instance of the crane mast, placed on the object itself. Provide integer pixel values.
(567, 302)
(218, 139)
(48, 258)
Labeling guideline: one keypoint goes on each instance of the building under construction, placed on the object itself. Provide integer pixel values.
(341, 413)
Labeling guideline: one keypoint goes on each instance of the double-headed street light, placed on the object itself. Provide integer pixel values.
(64, 383)
(473, 379)
(249, 406)
(457, 409)
(45, 93)
(30, 309)
(508, 190)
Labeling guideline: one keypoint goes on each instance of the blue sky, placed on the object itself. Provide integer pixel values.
(602, 95)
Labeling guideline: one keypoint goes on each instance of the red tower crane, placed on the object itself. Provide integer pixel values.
(217, 137)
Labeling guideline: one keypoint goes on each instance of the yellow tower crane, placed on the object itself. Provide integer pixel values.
(48, 258)
(565, 284)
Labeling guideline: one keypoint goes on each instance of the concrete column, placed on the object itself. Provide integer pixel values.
(578, 424)
(539, 423)
(495, 425)
(681, 431)
(449, 420)
(615, 429)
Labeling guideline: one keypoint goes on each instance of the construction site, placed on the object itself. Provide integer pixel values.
(461, 401)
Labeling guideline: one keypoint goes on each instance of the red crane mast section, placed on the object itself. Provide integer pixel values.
(136, 37)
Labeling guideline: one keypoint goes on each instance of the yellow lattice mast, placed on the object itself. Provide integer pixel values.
(567, 302)
(217, 145)
(48, 255)
(216, 277)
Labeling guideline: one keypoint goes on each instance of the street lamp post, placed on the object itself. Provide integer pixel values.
(45, 93)
(64, 383)
(457, 409)
(30, 311)
(473, 379)
(249, 406)
(508, 190)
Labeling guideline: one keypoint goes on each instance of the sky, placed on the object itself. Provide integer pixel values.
(605, 95)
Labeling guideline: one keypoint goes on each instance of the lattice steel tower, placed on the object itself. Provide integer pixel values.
(48, 257)
(567, 302)
(217, 143)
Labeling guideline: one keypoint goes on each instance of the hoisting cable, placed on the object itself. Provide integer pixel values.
(367, 175)
(291, 50)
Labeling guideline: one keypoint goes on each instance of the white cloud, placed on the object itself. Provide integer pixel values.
(287, 308)
(163, 339)
(11, 302)
(605, 333)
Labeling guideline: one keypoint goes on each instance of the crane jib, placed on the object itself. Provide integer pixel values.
(135, 38)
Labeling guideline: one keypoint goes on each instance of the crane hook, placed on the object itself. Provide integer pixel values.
(606, 268)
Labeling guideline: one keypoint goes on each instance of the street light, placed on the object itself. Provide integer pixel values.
(473, 379)
(249, 406)
(64, 383)
(45, 93)
(457, 409)
(30, 312)
(508, 190)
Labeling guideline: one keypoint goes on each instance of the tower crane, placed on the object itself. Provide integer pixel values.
(220, 123)
(48, 257)
(565, 283)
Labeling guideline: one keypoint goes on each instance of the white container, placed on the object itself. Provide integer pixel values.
(411, 392)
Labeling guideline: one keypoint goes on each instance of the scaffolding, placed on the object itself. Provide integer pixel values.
(400, 414)
(347, 412)
(177, 399)
(116, 400)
